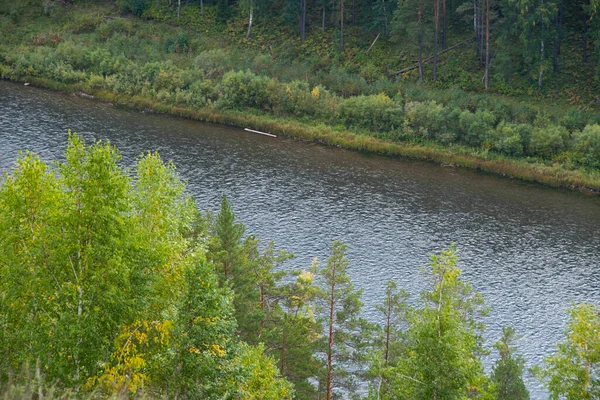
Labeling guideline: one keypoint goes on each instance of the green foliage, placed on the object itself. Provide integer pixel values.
(572, 372)
(507, 139)
(378, 113)
(245, 89)
(507, 373)
(588, 144)
(549, 140)
(105, 284)
(347, 334)
(475, 128)
(444, 342)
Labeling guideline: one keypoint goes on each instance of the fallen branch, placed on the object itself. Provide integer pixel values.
(429, 59)
(373, 44)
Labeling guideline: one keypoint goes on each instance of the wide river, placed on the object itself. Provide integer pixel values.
(530, 250)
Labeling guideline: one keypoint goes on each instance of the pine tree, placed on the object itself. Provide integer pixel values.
(345, 331)
(507, 374)
(444, 339)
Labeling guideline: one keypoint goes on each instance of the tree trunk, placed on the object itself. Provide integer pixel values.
(249, 24)
(585, 37)
(444, 26)
(487, 43)
(420, 39)
(436, 23)
(323, 24)
(303, 20)
(388, 326)
(283, 348)
(540, 76)
(202, 8)
(342, 25)
(557, 40)
(178, 8)
(330, 342)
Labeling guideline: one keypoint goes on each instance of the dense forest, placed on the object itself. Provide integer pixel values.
(114, 284)
(504, 86)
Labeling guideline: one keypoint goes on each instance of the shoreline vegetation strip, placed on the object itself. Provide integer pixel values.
(549, 175)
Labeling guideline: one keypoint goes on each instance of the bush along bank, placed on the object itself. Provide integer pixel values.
(392, 118)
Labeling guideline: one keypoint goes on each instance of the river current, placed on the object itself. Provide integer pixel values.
(531, 251)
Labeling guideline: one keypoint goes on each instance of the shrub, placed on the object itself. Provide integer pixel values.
(213, 63)
(85, 23)
(101, 62)
(377, 113)
(245, 89)
(425, 119)
(506, 139)
(475, 128)
(117, 25)
(203, 93)
(298, 99)
(73, 54)
(136, 7)
(587, 143)
(548, 141)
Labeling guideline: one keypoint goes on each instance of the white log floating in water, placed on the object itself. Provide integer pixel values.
(260, 133)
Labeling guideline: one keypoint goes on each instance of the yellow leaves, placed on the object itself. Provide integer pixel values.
(136, 347)
(194, 350)
(217, 350)
(315, 93)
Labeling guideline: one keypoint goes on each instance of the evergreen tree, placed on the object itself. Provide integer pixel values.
(391, 341)
(345, 331)
(444, 340)
(507, 374)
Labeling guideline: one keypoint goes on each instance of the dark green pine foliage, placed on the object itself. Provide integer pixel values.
(507, 374)
(226, 246)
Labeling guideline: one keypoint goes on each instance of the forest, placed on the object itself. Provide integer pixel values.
(509, 87)
(113, 284)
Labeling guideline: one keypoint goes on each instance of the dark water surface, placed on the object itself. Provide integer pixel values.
(531, 251)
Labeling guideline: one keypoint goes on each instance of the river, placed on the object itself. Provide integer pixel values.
(531, 251)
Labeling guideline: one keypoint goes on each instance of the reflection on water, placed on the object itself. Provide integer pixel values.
(530, 250)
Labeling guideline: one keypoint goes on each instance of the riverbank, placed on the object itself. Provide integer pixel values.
(555, 175)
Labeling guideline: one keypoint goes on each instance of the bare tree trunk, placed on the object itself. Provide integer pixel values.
(342, 25)
(557, 40)
(487, 43)
(420, 39)
(178, 8)
(202, 8)
(323, 25)
(540, 76)
(585, 37)
(444, 26)
(249, 24)
(303, 20)
(436, 23)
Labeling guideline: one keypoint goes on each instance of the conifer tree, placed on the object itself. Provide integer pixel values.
(345, 332)
(444, 339)
(507, 374)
